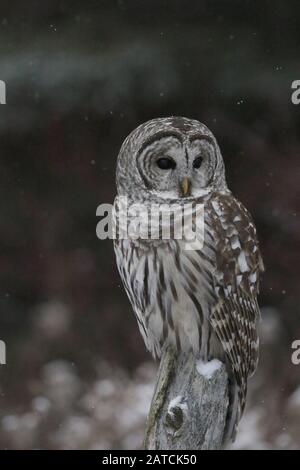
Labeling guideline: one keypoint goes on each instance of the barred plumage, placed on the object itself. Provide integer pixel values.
(202, 299)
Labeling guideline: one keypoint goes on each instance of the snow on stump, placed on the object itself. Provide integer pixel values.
(189, 406)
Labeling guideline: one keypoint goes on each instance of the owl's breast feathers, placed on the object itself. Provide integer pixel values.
(187, 297)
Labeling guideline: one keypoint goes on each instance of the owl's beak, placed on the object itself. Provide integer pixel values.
(185, 186)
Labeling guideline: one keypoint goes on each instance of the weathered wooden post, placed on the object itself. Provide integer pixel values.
(189, 406)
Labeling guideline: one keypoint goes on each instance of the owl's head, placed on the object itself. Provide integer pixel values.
(170, 158)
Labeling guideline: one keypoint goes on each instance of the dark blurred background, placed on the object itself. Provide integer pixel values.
(80, 76)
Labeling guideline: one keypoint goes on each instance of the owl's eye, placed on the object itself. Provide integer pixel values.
(166, 163)
(197, 162)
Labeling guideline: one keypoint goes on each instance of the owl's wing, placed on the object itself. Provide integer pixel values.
(236, 282)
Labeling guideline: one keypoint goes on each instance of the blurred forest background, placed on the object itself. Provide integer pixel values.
(80, 76)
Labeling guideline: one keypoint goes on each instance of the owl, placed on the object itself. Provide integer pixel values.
(202, 300)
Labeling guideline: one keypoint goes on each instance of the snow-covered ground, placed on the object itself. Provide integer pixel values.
(109, 413)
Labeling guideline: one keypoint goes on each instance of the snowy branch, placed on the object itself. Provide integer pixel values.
(189, 406)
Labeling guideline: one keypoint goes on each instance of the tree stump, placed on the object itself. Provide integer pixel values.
(189, 406)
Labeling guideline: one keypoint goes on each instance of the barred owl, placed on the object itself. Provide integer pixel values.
(202, 300)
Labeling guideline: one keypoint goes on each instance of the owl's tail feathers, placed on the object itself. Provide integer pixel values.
(237, 401)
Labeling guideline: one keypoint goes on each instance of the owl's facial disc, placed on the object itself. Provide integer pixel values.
(202, 159)
(176, 166)
(159, 163)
